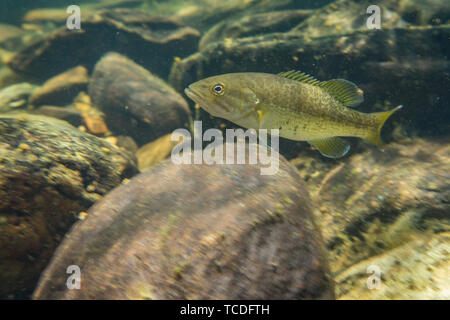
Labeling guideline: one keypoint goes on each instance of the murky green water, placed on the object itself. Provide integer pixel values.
(93, 181)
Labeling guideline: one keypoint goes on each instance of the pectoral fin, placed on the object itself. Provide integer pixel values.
(262, 118)
(334, 147)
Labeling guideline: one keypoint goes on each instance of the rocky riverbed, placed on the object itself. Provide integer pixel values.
(86, 118)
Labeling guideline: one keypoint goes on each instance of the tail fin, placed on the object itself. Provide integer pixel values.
(380, 118)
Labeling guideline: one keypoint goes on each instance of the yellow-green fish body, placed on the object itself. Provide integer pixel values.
(301, 107)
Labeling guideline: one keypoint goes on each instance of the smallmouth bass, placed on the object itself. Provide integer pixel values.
(301, 107)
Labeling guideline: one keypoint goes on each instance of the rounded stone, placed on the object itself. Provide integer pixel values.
(196, 232)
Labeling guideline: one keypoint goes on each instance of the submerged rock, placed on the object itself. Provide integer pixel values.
(125, 143)
(49, 172)
(136, 103)
(61, 89)
(204, 14)
(417, 270)
(9, 35)
(196, 232)
(9, 77)
(276, 21)
(55, 15)
(388, 209)
(425, 12)
(93, 119)
(343, 16)
(69, 114)
(59, 15)
(154, 152)
(159, 40)
(15, 97)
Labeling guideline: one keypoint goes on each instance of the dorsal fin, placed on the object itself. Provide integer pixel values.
(344, 91)
(299, 76)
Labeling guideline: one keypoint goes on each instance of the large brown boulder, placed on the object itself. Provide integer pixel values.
(196, 232)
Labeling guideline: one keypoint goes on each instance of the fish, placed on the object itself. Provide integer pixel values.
(301, 107)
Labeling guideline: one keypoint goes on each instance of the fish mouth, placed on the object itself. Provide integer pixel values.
(202, 102)
(191, 94)
(194, 96)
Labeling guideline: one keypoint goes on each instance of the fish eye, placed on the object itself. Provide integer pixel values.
(218, 89)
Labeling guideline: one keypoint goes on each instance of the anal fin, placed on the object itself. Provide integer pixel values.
(334, 147)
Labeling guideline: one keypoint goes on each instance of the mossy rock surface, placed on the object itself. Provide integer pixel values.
(385, 208)
(49, 173)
